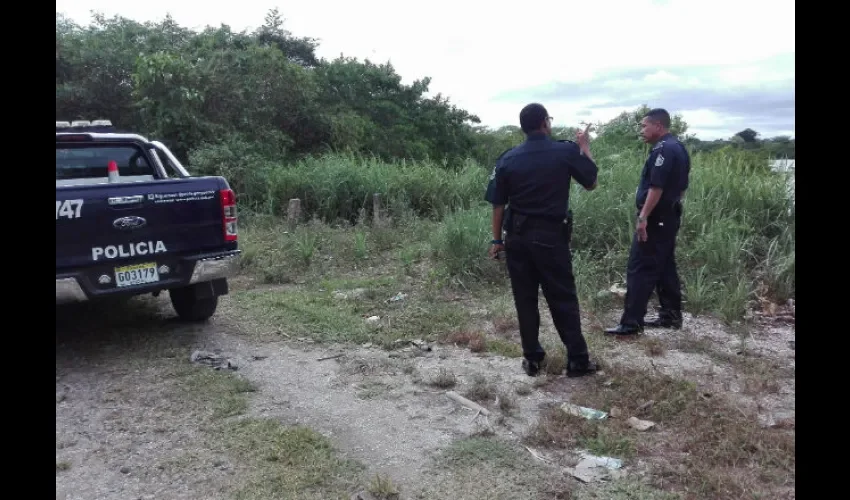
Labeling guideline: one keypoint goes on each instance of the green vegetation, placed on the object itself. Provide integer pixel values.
(261, 109)
(737, 241)
(715, 439)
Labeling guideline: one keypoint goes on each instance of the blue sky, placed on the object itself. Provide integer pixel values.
(724, 65)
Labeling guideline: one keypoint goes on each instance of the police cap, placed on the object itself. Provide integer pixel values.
(532, 117)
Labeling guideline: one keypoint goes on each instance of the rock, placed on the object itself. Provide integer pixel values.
(373, 320)
(616, 412)
(125, 470)
(641, 425)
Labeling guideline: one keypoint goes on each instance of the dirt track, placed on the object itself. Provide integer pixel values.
(131, 409)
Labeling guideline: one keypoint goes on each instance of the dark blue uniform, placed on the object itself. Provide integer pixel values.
(534, 178)
(652, 264)
(490, 194)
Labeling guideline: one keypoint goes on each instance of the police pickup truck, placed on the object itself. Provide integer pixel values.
(130, 220)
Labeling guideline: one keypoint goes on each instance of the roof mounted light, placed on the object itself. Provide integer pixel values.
(101, 123)
(63, 124)
(81, 123)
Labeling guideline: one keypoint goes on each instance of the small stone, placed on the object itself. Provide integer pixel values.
(125, 470)
(641, 425)
(616, 412)
(373, 320)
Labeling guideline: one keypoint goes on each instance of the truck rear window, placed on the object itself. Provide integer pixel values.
(87, 161)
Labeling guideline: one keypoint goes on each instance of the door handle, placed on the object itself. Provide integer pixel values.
(125, 200)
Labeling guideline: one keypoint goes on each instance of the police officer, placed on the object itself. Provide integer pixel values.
(534, 178)
(652, 262)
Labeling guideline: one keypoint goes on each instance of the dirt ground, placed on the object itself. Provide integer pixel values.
(135, 419)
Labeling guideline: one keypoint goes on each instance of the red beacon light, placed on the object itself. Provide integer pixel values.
(112, 171)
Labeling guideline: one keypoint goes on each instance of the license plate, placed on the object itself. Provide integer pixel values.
(137, 274)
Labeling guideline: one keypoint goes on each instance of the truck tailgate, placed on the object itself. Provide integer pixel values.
(122, 222)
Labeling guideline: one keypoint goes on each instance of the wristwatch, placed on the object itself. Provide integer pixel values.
(641, 219)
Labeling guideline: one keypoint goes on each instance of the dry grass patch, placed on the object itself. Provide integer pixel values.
(474, 340)
(444, 379)
(654, 346)
(506, 326)
(383, 488)
(557, 429)
(722, 452)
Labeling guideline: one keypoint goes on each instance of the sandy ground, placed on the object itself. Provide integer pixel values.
(121, 432)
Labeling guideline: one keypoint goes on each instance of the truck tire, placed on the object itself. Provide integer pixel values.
(190, 307)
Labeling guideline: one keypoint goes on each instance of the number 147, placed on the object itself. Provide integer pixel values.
(69, 209)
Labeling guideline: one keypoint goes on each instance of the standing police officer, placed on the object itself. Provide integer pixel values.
(652, 262)
(534, 178)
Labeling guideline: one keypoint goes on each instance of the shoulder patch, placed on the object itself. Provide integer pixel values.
(658, 145)
(503, 153)
(660, 160)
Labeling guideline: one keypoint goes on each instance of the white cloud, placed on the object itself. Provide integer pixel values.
(476, 49)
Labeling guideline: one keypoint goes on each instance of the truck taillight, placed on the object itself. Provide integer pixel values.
(228, 212)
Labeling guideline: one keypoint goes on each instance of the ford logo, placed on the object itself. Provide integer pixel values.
(129, 223)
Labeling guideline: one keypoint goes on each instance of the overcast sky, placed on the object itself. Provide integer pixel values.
(725, 65)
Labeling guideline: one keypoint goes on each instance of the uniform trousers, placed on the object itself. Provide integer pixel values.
(538, 255)
(652, 267)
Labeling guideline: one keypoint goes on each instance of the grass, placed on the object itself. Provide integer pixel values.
(709, 436)
(736, 244)
(557, 429)
(288, 462)
(279, 462)
(736, 241)
(382, 488)
(496, 468)
(444, 379)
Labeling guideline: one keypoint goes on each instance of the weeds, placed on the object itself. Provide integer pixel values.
(443, 380)
(737, 234)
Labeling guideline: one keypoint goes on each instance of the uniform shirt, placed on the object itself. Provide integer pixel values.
(668, 168)
(490, 194)
(535, 177)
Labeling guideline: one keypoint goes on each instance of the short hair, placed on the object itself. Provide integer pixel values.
(659, 115)
(532, 116)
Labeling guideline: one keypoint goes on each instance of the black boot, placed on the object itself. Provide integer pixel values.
(624, 330)
(531, 368)
(580, 369)
(666, 319)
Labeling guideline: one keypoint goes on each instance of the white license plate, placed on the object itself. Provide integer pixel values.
(137, 274)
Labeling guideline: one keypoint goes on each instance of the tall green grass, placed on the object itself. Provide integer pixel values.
(338, 186)
(736, 241)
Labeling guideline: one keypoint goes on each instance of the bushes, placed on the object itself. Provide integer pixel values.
(737, 236)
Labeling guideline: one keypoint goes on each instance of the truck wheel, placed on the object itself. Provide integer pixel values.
(190, 307)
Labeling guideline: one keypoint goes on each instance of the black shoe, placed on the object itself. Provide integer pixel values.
(531, 368)
(624, 330)
(581, 369)
(664, 322)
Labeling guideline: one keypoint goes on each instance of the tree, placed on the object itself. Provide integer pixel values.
(748, 135)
